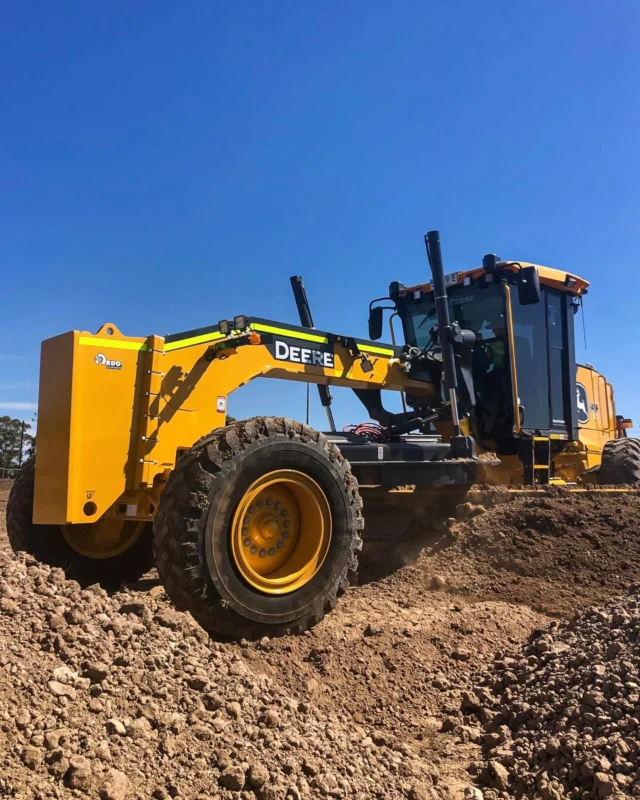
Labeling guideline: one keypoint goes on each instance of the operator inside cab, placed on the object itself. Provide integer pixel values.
(479, 308)
(492, 379)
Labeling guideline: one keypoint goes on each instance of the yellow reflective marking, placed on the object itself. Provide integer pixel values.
(574, 489)
(258, 326)
(205, 337)
(371, 349)
(310, 337)
(92, 341)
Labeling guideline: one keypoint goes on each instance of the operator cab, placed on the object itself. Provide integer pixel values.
(522, 365)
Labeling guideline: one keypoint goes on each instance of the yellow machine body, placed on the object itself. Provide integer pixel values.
(114, 411)
(596, 426)
(554, 278)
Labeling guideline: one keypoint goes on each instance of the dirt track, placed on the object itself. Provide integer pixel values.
(363, 696)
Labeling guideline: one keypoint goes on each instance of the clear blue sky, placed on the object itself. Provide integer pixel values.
(164, 165)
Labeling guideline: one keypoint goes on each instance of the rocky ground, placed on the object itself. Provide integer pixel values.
(561, 715)
(119, 696)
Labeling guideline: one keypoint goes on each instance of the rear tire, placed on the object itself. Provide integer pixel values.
(47, 544)
(620, 462)
(193, 529)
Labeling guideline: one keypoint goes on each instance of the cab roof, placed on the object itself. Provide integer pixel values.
(554, 278)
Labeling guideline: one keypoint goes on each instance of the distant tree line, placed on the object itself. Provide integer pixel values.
(16, 443)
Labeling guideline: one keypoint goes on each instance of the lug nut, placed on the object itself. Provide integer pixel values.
(262, 553)
(277, 505)
(283, 513)
(272, 551)
(285, 524)
(280, 544)
(285, 534)
(269, 501)
(253, 550)
(260, 503)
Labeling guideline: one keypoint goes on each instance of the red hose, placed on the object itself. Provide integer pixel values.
(369, 430)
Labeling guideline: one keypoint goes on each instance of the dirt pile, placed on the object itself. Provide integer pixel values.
(122, 696)
(554, 552)
(119, 696)
(561, 717)
(395, 656)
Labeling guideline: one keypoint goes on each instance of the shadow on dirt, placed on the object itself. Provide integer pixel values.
(400, 525)
(379, 559)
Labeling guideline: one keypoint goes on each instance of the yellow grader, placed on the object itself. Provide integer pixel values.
(256, 526)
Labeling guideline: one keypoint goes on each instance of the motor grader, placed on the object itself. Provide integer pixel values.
(256, 525)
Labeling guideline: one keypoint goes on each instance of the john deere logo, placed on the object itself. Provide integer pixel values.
(318, 355)
(102, 361)
(583, 404)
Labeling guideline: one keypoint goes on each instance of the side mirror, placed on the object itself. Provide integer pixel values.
(528, 286)
(375, 323)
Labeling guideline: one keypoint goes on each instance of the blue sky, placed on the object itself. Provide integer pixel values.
(164, 165)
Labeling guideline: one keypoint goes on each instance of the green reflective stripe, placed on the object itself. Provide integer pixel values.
(383, 351)
(258, 326)
(308, 337)
(313, 337)
(92, 341)
(206, 337)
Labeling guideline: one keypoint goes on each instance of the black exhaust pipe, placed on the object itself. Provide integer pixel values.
(306, 320)
(461, 446)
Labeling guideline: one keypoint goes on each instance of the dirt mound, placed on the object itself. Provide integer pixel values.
(554, 552)
(401, 649)
(395, 657)
(358, 700)
(562, 716)
(122, 695)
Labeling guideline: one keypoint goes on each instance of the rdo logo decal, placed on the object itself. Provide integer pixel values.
(102, 361)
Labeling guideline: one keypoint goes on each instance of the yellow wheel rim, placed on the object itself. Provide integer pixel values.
(281, 532)
(105, 538)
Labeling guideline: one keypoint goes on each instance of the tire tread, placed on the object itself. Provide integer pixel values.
(47, 544)
(180, 522)
(620, 462)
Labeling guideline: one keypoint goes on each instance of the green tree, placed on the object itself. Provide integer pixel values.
(16, 444)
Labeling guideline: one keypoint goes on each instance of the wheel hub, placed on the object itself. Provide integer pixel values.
(105, 538)
(281, 531)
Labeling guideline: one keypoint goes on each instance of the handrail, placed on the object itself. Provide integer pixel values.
(512, 361)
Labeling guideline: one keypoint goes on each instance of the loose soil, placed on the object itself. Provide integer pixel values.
(354, 708)
(554, 553)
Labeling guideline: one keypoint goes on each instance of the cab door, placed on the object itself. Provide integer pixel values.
(545, 365)
(559, 399)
